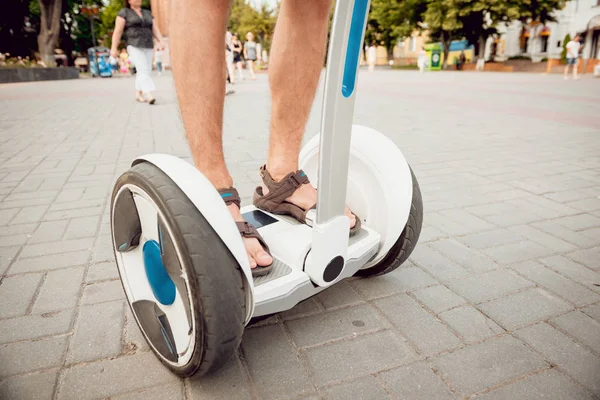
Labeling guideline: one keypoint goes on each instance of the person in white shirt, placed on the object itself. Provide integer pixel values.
(573, 47)
(372, 56)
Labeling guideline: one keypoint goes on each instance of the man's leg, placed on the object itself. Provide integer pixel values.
(297, 55)
(197, 37)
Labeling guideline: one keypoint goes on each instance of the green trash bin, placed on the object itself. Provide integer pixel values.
(434, 56)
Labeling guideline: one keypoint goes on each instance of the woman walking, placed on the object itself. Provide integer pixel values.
(237, 55)
(140, 29)
(250, 54)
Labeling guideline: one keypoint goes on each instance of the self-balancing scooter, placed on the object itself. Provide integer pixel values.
(182, 261)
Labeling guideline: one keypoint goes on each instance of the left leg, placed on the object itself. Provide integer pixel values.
(250, 65)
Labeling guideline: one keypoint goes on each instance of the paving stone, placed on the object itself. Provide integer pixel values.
(366, 388)
(7, 215)
(77, 213)
(105, 378)
(588, 257)
(7, 255)
(346, 322)
(415, 381)
(555, 229)
(31, 387)
(438, 298)
(441, 267)
(23, 229)
(572, 358)
(517, 252)
(429, 233)
(23, 357)
(524, 308)
(466, 257)
(399, 281)
(64, 246)
(103, 250)
(579, 222)
(304, 308)
(227, 383)
(412, 320)
(49, 231)
(29, 215)
(35, 326)
(587, 205)
(574, 271)
(102, 291)
(363, 355)
(339, 295)
(543, 238)
(486, 364)
(581, 327)
(272, 358)
(60, 290)
(82, 227)
(561, 286)
(549, 384)
(102, 272)
(169, 392)
(97, 332)
(468, 219)
(487, 239)
(489, 285)
(16, 294)
(593, 311)
(54, 261)
(470, 324)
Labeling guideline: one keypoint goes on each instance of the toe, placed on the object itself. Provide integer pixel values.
(251, 260)
(262, 258)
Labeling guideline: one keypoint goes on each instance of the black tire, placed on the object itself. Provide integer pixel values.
(219, 300)
(407, 241)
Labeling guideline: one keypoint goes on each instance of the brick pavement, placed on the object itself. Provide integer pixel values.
(501, 299)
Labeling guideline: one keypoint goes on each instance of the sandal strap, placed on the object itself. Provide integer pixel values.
(249, 231)
(230, 195)
(279, 191)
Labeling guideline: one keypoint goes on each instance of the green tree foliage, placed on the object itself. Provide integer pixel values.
(443, 23)
(539, 10)
(563, 53)
(244, 18)
(17, 36)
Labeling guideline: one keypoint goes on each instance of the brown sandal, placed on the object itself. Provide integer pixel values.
(274, 202)
(229, 196)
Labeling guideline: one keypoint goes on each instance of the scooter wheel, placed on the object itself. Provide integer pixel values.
(183, 285)
(407, 241)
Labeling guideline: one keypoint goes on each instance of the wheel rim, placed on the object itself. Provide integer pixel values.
(155, 283)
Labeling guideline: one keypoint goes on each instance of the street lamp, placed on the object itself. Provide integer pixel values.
(91, 13)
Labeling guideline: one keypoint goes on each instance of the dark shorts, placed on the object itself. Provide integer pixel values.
(237, 57)
(571, 61)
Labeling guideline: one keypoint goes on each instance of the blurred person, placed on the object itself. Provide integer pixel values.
(158, 59)
(422, 59)
(462, 60)
(372, 56)
(140, 30)
(250, 54)
(229, 57)
(124, 61)
(573, 48)
(237, 55)
(296, 59)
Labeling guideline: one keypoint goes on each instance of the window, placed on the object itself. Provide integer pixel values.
(544, 44)
(412, 44)
(558, 43)
(525, 43)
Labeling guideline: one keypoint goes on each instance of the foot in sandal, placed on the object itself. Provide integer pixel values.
(292, 195)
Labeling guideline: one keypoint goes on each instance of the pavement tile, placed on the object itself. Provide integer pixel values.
(416, 381)
(60, 290)
(524, 308)
(31, 387)
(492, 238)
(23, 357)
(489, 285)
(366, 388)
(306, 307)
(580, 326)
(102, 272)
(542, 238)
(7, 255)
(271, 358)
(227, 383)
(486, 364)
(470, 324)
(572, 358)
(51, 262)
(579, 222)
(469, 259)
(517, 252)
(438, 265)
(553, 282)
(412, 320)
(574, 271)
(16, 294)
(555, 229)
(346, 322)
(353, 358)
(170, 392)
(64, 246)
(401, 280)
(588, 257)
(35, 326)
(82, 227)
(339, 295)
(49, 231)
(586, 205)
(438, 298)
(29, 215)
(102, 291)
(23, 229)
(549, 384)
(106, 378)
(593, 311)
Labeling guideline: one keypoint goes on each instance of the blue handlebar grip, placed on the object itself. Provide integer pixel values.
(359, 14)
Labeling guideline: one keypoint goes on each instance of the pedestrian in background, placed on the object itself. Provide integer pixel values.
(250, 54)
(573, 47)
(237, 55)
(158, 59)
(372, 56)
(422, 59)
(140, 29)
(229, 56)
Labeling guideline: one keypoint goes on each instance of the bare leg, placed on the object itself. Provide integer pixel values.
(250, 65)
(575, 69)
(567, 71)
(197, 35)
(297, 56)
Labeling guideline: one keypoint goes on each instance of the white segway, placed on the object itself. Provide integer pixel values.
(182, 261)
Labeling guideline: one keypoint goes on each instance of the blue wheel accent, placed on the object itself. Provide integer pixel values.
(359, 13)
(160, 281)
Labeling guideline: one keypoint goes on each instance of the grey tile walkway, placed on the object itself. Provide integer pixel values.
(501, 299)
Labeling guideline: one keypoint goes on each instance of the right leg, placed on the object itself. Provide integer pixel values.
(197, 35)
(250, 65)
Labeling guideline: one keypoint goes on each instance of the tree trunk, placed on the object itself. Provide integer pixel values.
(481, 56)
(446, 48)
(50, 12)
